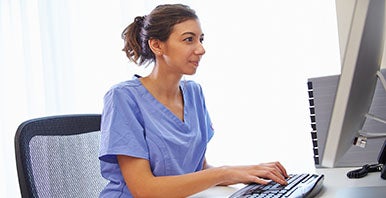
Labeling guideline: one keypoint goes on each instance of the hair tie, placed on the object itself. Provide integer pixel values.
(140, 19)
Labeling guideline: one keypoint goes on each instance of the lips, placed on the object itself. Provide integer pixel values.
(195, 63)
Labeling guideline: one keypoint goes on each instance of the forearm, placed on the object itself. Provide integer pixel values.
(180, 185)
(142, 183)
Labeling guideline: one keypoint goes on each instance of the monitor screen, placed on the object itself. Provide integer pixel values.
(360, 63)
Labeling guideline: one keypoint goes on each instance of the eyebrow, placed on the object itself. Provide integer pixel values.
(191, 33)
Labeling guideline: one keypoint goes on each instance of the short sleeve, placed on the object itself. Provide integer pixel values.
(122, 131)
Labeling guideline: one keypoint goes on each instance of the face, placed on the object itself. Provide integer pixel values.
(183, 49)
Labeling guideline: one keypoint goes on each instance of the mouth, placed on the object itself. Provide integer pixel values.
(195, 63)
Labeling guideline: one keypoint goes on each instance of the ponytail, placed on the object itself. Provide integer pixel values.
(133, 41)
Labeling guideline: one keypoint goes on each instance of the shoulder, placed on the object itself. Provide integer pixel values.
(192, 89)
(191, 85)
(124, 92)
(125, 87)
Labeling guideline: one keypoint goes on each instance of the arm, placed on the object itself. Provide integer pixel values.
(142, 183)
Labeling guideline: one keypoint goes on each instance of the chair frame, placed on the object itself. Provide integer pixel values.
(52, 125)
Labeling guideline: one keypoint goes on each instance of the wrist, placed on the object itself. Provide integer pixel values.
(224, 175)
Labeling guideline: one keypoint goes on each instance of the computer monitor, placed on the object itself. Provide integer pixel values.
(360, 63)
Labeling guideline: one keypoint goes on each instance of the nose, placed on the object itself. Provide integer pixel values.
(200, 50)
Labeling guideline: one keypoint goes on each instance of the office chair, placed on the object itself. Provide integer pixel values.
(57, 156)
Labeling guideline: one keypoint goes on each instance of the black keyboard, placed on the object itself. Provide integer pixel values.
(299, 185)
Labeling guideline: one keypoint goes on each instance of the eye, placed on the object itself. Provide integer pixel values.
(201, 39)
(189, 39)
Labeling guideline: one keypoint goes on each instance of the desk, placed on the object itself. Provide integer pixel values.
(335, 184)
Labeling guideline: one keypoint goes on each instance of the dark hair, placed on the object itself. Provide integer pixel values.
(157, 25)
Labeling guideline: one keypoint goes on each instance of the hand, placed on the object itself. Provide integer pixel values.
(261, 174)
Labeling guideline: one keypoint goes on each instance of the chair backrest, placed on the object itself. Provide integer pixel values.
(57, 156)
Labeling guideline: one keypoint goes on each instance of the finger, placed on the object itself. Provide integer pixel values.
(272, 174)
(279, 167)
(277, 170)
(279, 180)
(282, 169)
(260, 180)
(278, 177)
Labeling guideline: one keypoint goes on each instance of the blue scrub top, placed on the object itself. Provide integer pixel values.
(135, 124)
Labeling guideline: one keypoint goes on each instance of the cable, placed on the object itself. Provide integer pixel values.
(359, 173)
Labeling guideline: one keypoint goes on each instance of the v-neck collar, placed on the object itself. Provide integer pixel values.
(154, 102)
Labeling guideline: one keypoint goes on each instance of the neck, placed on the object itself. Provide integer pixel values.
(163, 84)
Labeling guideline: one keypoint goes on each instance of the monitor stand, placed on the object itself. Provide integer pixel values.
(361, 140)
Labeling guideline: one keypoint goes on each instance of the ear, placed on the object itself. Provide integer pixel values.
(155, 46)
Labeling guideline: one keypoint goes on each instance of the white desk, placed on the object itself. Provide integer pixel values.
(336, 184)
(217, 192)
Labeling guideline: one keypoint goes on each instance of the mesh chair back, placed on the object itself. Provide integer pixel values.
(57, 156)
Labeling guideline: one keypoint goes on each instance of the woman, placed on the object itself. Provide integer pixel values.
(155, 129)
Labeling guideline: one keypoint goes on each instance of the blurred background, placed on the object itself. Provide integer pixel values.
(60, 57)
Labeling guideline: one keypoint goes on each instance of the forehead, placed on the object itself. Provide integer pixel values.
(188, 26)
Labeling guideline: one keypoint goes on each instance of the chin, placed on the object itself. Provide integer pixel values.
(190, 73)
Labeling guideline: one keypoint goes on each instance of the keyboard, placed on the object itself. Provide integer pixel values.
(299, 185)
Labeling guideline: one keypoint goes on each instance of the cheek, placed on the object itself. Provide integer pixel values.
(178, 55)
